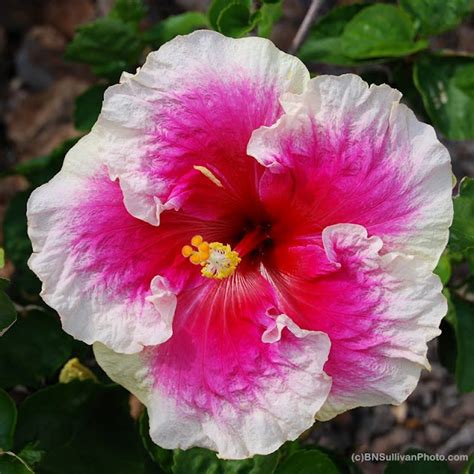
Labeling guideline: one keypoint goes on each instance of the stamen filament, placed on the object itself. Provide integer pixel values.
(251, 241)
(218, 260)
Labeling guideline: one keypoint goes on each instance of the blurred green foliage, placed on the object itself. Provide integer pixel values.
(86, 427)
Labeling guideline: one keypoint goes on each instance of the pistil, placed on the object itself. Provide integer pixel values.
(220, 260)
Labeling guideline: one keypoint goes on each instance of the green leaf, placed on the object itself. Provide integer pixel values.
(12, 464)
(461, 237)
(443, 269)
(307, 461)
(162, 457)
(417, 465)
(33, 350)
(7, 310)
(469, 467)
(8, 417)
(217, 6)
(18, 246)
(446, 84)
(379, 31)
(198, 460)
(447, 346)
(40, 170)
(464, 326)
(323, 44)
(435, 16)
(110, 46)
(83, 427)
(175, 25)
(88, 106)
(129, 11)
(31, 454)
(270, 13)
(236, 20)
(402, 76)
(344, 465)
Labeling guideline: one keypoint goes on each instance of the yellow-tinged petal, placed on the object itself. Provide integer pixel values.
(74, 370)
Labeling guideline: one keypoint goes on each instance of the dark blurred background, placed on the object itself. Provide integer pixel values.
(37, 92)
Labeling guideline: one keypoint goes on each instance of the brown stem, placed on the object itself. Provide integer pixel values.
(305, 25)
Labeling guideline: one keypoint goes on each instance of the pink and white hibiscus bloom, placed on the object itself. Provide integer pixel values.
(246, 247)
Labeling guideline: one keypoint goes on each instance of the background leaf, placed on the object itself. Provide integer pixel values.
(447, 346)
(270, 13)
(235, 20)
(11, 464)
(323, 43)
(436, 16)
(217, 6)
(18, 245)
(33, 349)
(308, 461)
(7, 309)
(469, 467)
(199, 460)
(464, 327)
(446, 84)
(379, 31)
(83, 427)
(109, 45)
(175, 25)
(162, 457)
(40, 170)
(443, 269)
(88, 106)
(461, 237)
(8, 417)
(25, 284)
(129, 11)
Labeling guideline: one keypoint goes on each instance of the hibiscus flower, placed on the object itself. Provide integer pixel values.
(248, 248)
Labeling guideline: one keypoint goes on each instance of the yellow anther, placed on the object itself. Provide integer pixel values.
(187, 251)
(218, 260)
(196, 258)
(196, 240)
(204, 247)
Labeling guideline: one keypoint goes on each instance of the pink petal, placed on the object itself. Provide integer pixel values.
(379, 310)
(358, 156)
(233, 378)
(196, 101)
(104, 271)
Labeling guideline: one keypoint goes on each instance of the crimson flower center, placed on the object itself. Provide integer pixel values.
(219, 260)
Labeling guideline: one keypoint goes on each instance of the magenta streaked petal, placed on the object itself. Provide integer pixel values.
(196, 101)
(358, 156)
(240, 383)
(379, 311)
(111, 277)
(245, 247)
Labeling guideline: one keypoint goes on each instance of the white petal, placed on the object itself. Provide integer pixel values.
(126, 319)
(284, 409)
(140, 116)
(407, 315)
(368, 155)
